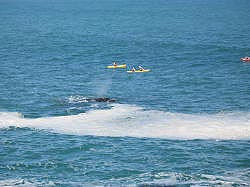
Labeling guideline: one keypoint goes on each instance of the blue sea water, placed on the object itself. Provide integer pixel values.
(185, 123)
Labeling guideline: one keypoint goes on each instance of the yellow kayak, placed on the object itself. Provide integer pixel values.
(139, 71)
(118, 66)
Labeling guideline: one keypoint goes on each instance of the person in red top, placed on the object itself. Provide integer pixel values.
(246, 59)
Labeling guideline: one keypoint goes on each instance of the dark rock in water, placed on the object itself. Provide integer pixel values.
(101, 99)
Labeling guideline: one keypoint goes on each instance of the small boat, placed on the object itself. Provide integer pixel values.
(117, 66)
(139, 71)
(246, 59)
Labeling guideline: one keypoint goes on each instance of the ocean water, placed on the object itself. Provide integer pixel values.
(185, 124)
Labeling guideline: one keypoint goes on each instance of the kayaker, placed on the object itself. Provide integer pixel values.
(245, 59)
(114, 63)
(141, 68)
(133, 69)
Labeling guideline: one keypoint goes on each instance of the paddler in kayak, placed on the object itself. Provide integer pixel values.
(133, 69)
(141, 68)
(114, 64)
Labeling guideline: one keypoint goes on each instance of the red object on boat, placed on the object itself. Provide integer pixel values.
(246, 59)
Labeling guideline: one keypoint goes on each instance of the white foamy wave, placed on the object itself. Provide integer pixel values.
(24, 183)
(128, 120)
(77, 99)
(180, 179)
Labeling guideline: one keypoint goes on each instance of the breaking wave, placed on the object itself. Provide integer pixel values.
(163, 180)
(133, 121)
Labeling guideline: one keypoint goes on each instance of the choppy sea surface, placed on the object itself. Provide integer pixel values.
(186, 123)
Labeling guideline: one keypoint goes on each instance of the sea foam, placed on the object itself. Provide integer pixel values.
(133, 121)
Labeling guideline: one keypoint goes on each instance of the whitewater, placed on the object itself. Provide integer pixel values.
(122, 120)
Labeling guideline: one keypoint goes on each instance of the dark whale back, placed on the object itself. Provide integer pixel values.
(101, 99)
